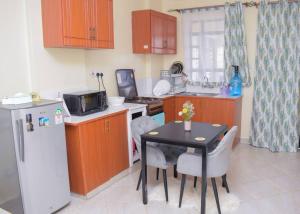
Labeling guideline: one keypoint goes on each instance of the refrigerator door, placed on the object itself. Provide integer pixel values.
(10, 192)
(42, 159)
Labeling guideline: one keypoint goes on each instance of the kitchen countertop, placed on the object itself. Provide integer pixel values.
(218, 96)
(74, 120)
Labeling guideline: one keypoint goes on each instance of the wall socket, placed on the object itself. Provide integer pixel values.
(94, 74)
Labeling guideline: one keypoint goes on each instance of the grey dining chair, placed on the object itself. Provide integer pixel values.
(158, 156)
(217, 164)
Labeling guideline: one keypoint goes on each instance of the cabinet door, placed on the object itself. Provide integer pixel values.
(103, 150)
(218, 111)
(141, 31)
(103, 24)
(157, 28)
(89, 133)
(75, 22)
(223, 111)
(171, 32)
(169, 109)
(118, 143)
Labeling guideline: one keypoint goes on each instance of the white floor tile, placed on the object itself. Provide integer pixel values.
(264, 182)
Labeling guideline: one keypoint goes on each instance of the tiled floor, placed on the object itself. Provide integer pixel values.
(265, 182)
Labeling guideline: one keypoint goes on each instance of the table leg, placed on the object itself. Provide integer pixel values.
(144, 171)
(204, 180)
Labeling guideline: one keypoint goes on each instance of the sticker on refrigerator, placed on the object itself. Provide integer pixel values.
(44, 121)
(59, 117)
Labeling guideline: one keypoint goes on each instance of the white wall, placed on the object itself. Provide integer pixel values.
(52, 70)
(13, 52)
(25, 64)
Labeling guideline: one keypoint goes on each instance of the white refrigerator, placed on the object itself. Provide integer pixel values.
(33, 158)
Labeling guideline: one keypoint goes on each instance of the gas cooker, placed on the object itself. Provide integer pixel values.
(154, 105)
(143, 100)
(127, 88)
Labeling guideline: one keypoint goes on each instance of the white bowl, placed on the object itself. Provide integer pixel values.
(115, 101)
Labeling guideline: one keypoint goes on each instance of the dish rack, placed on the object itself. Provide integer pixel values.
(176, 81)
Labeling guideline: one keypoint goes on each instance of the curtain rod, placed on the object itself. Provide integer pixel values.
(246, 4)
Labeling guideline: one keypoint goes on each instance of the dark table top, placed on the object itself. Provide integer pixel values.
(174, 133)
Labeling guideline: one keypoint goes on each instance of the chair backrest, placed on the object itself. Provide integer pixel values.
(140, 126)
(220, 157)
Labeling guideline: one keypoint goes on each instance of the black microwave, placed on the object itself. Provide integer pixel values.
(87, 102)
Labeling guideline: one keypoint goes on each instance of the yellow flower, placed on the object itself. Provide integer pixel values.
(184, 110)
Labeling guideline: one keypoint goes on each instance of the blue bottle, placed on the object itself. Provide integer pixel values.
(236, 83)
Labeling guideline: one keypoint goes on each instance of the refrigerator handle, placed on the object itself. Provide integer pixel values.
(20, 139)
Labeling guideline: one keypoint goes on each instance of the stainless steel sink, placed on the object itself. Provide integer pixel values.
(207, 94)
(199, 94)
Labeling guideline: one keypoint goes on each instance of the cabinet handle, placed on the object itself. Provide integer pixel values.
(165, 45)
(92, 33)
(106, 126)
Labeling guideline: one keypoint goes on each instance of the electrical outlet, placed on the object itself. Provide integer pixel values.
(95, 73)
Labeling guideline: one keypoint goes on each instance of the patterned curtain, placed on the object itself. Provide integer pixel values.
(235, 43)
(275, 114)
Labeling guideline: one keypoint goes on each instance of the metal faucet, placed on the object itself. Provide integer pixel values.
(206, 84)
(206, 78)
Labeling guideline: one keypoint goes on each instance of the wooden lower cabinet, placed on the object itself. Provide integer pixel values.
(169, 109)
(179, 101)
(208, 109)
(97, 151)
(118, 144)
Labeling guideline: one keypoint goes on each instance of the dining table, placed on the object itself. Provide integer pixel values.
(202, 136)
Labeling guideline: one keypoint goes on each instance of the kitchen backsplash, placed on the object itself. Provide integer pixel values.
(145, 85)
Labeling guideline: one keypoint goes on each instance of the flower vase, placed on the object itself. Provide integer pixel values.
(188, 125)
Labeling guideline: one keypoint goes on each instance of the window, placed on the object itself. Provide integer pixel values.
(203, 33)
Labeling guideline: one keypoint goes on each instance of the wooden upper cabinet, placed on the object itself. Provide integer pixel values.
(104, 36)
(153, 32)
(78, 24)
(158, 32)
(75, 20)
(171, 31)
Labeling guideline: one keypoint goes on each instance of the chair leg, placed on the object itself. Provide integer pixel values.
(175, 171)
(165, 184)
(195, 182)
(213, 181)
(157, 174)
(183, 178)
(139, 182)
(225, 184)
